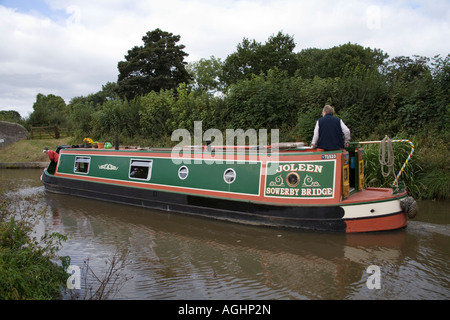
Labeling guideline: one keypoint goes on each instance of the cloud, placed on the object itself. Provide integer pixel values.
(72, 48)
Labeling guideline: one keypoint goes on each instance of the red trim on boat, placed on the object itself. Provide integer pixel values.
(373, 194)
(389, 222)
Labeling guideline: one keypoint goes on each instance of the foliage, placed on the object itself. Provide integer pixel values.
(25, 273)
(262, 85)
(158, 65)
(253, 58)
(263, 101)
(31, 269)
(415, 98)
(434, 176)
(27, 265)
(360, 97)
(192, 106)
(155, 113)
(205, 75)
(48, 110)
(333, 62)
(10, 116)
(80, 111)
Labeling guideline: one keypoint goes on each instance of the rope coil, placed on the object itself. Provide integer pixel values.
(388, 162)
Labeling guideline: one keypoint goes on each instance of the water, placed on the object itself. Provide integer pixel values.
(172, 256)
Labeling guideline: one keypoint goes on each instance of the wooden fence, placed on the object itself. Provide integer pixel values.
(52, 132)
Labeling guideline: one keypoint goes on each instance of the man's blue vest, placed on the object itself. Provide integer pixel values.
(330, 133)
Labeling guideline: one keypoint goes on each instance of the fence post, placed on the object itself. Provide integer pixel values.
(56, 132)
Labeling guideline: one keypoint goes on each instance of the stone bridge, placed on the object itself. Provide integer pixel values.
(11, 132)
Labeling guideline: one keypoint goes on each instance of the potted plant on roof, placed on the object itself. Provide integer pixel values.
(88, 142)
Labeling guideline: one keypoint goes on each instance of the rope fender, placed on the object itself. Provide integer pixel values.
(410, 207)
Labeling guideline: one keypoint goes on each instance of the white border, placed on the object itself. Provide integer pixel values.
(300, 197)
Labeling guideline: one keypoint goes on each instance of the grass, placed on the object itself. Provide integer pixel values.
(30, 150)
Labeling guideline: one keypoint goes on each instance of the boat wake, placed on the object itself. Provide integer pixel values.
(425, 227)
(25, 192)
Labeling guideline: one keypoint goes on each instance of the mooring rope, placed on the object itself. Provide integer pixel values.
(389, 161)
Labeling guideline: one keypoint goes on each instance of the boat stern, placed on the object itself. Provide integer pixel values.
(377, 209)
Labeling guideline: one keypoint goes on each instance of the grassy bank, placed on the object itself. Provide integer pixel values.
(30, 150)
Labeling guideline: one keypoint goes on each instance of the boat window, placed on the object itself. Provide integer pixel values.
(82, 165)
(140, 169)
(229, 176)
(183, 172)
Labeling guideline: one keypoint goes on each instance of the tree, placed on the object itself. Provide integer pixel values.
(254, 58)
(155, 113)
(333, 62)
(80, 111)
(10, 116)
(264, 101)
(205, 75)
(48, 110)
(155, 66)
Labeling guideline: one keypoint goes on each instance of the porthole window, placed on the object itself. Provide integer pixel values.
(293, 179)
(229, 176)
(183, 172)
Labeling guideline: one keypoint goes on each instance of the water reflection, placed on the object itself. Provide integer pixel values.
(178, 257)
(173, 256)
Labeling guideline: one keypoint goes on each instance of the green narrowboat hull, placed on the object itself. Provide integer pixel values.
(294, 189)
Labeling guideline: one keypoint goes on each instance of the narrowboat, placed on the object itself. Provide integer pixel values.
(286, 186)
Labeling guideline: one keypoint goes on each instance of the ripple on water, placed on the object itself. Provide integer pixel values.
(176, 257)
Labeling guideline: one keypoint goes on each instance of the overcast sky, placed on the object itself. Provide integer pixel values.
(71, 48)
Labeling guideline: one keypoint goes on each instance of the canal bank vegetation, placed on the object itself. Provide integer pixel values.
(271, 86)
(30, 265)
(28, 268)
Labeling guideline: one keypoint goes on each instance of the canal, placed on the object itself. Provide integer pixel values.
(172, 256)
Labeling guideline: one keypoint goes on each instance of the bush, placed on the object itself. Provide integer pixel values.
(27, 266)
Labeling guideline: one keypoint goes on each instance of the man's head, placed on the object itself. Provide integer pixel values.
(45, 150)
(327, 110)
